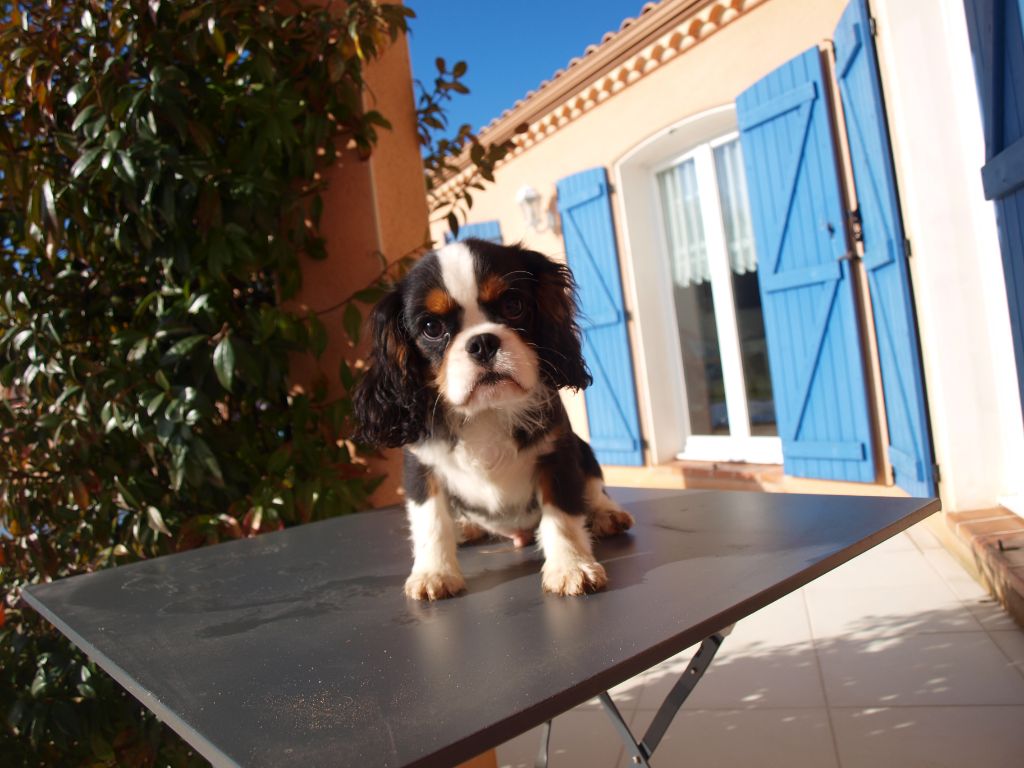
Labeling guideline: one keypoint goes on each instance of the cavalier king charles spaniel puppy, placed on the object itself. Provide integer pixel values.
(470, 350)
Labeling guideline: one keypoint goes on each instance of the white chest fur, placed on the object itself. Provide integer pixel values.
(485, 468)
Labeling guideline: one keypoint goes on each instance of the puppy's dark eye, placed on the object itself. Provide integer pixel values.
(433, 329)
(512, 307)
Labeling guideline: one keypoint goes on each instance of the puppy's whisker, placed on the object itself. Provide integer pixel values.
(548, 349)
(433, 411)
(549, 366)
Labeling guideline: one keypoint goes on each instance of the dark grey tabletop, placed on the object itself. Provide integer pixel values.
(299, 649)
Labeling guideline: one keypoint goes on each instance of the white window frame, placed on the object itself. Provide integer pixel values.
(657, 330)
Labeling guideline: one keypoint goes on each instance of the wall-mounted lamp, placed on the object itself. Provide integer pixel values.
(530, 203)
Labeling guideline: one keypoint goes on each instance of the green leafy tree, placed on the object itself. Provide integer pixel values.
(159, 188)
(458, 163)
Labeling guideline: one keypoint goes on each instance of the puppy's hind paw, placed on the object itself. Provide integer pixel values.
(469, 532)
(610, 519)
(434, 585)
(576, 579)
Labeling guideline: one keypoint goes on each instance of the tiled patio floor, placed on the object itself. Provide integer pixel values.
(896, 659)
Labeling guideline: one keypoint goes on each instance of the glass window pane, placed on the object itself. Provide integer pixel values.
(732, 190)
(684, 229)
(694, 305)
(754, 354)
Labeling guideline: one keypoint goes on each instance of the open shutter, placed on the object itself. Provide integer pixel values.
(811, 328)
(885, 253)
(484, 230)
(997, 44)
(592, 255)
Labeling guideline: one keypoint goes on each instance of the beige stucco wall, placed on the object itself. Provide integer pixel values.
(967, 347)
(708, 75)
(370, 207)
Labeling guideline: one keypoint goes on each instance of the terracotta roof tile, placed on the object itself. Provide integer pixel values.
(575, 61)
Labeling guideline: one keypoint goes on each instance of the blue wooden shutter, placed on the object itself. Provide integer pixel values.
(811, 327)
(997, 44)
(484, 230)
(885, 253)
(591, 252)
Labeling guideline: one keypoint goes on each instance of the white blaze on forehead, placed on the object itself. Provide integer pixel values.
(458, 271)
(462, 371)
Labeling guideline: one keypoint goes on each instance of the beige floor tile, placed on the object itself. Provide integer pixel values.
(773, 676)
(784, 622)
(922, 536)
(579, 739)
(985, 608)
(627, 694)
(673, 666)
(1011, 642)
(962, 668)
(767, 660)
(877, 568)
(930, 737)
(991, 615)
(959, 580)
(769, 738)
(886, 611)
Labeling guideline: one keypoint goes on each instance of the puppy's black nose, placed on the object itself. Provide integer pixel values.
(482, 348)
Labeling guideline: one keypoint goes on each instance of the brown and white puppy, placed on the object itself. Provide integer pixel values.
(470, 350)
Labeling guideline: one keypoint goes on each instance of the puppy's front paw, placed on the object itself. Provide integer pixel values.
(436, 585)
(575, 579)
(610, 519)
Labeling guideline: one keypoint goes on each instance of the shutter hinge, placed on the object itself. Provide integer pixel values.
(906, 247)
(873, 25)
(856, 225)
(936, 473)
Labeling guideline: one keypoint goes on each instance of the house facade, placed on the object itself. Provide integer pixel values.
(785, 250)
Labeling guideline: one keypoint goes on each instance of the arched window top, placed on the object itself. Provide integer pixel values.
(680, 138)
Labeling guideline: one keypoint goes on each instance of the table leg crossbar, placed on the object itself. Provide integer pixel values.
(640, 752)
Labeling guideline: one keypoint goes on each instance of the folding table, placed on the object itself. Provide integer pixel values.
(298, 648)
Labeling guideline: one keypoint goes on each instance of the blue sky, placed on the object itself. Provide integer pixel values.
(510, 47)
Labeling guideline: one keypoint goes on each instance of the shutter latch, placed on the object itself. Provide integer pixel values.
(856, 225)
(856, 233)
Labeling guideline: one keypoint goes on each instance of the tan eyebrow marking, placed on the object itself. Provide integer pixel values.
(492, 288)
(439, 301)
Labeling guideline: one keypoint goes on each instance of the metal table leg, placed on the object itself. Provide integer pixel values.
(680, 692)
(640, 752)
(636, 751)
(545, 742)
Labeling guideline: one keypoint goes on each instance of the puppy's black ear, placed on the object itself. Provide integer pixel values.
(560, 346)
(390, 400)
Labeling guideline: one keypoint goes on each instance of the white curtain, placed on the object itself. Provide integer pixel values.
(732, 189)
(684, 231)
